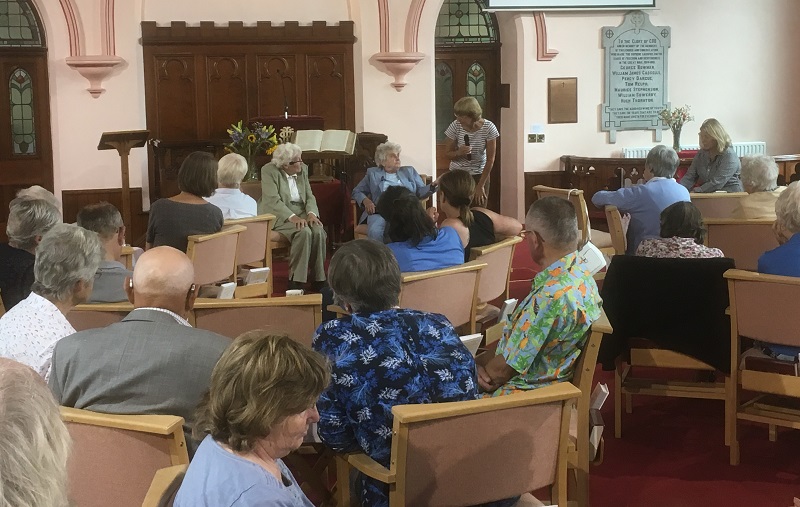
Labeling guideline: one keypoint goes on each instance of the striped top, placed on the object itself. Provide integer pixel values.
(477, 141)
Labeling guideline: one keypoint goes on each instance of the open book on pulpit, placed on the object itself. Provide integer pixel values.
(338, 142)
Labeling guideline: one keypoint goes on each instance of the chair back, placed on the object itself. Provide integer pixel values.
(618, 240)
(296, 316)
(214, 255)
(717, 205)
(253, 240)
(116, 456)
(452, 292)
(165, 486)
(576, 197)
(434, 467)
(95, 315)
(496, 275)
(742, 240)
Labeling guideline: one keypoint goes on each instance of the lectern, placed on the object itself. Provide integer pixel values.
(123, 141)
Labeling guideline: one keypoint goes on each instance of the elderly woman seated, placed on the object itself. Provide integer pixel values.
(28, 220)
(682, 235)
(785, 259)
(389, 173)
(760, 181)
(382, 356)
(413, 236)
(228, 197)
(260, 405)
(66, 261)
(475, 226)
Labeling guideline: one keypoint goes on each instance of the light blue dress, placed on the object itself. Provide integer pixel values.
(218, 478)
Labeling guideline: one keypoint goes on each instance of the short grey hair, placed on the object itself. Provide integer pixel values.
(555, 220)
(376, 287)
(232, 170)
(787, 208)
(103, 218)
(28, 219)
(66, 255)
(384, 150)
(37, 192)
(34, 442)
(284, 154)
(759, 172)
(663, 161)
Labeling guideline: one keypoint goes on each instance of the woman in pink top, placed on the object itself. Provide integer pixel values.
(682, 235)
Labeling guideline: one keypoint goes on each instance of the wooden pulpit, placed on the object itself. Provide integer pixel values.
(123, 141)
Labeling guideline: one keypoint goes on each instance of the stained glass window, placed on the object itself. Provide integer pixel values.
(464, 22)
(444, 98)
(18, 25)
(476, 83)
(23, 134)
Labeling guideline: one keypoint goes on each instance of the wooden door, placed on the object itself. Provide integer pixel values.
(461, 71)
(26, 154)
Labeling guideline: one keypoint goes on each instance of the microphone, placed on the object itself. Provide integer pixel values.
(466, 143)
(285, 101)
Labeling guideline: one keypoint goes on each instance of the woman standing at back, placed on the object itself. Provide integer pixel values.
(475, 226)
(472, 145)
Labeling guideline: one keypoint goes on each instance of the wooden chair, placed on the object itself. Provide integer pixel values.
(618, 240)
(297, 316)
(255, 250)
(214, 255)
(716, 204)
(165, 486)
(516, 444)
(742, 240)
(583, 378)
(95, 315)
(762, 308)
(116, 456)
(452, 292)
(600, 239)
(495, 277)
(126, 256)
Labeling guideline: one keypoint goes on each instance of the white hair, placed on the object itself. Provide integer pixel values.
(34, 443)
(67, 254)
(284, 154)
(760, 173)
(37, 192)
(232, 169)
(787, 208)
(662, 161)
(384, 150)
(29, 219)
(555, 220)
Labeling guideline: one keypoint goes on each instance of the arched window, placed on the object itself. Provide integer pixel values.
(464, 22)
(19, 26)
(23, 133)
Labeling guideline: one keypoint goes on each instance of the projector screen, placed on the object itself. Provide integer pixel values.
(538, 5)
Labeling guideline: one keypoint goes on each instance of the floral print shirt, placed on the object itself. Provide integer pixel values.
(382, 359)
(546, 332)
(676, 248)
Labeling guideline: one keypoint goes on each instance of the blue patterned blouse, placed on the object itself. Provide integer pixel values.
(382, 359)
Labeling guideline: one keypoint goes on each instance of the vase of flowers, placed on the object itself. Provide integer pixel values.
(250, 141)
(674, 119)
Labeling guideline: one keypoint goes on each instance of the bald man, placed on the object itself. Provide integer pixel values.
(153, 361)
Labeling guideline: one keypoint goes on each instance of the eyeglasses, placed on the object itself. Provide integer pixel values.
(293, 162)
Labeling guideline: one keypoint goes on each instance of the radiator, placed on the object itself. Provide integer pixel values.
(741, 149)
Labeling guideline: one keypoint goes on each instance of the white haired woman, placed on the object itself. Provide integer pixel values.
(228, 197)
(388, 173)
(286, 193)
(716, 166)
(760, 181)
(34, 442)
(66, 261)
(28, 219)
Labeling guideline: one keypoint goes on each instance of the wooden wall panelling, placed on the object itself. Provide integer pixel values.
(227, 94)
(555, 179)
(325, 82)
(277, 74)
(74, 200)
(172, 107)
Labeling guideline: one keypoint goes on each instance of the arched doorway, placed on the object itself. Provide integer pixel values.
(26, 154)
(467, 64)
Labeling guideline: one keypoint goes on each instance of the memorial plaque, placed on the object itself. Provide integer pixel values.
(636, 75)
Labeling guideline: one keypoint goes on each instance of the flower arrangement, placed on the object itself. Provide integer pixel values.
(674, 119)
(251, 140)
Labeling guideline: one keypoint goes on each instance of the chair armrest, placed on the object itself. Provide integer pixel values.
(162, 483)
(371, 468)
(338, 310)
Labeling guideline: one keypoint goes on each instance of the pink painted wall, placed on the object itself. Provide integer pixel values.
(732, 59)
